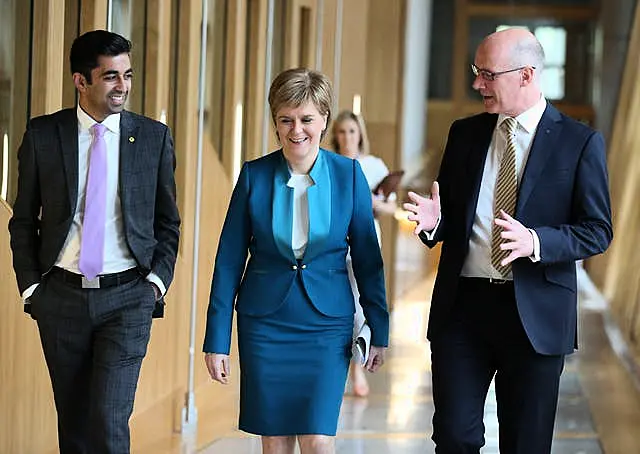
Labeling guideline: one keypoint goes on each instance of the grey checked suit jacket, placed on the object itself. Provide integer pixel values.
(48, 189)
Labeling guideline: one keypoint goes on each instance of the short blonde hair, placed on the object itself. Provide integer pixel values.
(298, 86)
(363, 144)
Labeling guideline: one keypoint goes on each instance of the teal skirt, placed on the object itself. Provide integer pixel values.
(293, 368)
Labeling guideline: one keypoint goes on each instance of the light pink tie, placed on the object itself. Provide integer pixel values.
(95, 207)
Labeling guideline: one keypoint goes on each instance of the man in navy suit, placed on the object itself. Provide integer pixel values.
(504, 303)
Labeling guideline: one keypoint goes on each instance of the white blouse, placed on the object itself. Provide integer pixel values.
(300, 228)
(374, 169)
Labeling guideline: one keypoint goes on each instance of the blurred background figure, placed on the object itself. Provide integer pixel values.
(350, 140)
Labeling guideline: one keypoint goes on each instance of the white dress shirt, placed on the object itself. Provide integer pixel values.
(478, 261)
(300, 228)
(117, 256)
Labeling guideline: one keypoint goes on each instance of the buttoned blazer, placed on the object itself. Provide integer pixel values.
(259, 225)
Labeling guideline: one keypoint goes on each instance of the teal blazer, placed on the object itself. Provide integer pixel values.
(259, 222)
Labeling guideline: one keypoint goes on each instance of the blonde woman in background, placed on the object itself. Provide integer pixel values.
(350, 139)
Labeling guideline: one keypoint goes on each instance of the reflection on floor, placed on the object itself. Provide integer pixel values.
(396, 417)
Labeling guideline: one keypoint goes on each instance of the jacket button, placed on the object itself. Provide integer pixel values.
(294, 267)
(304, 267)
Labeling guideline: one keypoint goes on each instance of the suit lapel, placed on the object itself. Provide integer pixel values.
(475, 165)
(68, 131)
(541, 148)
(129, 154)
(282, 216)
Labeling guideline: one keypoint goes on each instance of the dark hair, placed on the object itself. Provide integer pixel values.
(87, 48)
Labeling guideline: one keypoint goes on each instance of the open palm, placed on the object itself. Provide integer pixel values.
(424, 211)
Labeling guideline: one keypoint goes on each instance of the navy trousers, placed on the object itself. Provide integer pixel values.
(485, 338)
(93, 341)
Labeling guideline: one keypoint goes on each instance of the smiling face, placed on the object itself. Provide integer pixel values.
(109, 88)
(348, 136)
(299, 131)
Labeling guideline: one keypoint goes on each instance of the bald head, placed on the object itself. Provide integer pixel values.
(517, 47)
(507, 65)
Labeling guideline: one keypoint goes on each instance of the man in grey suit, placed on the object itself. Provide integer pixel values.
(94, 236)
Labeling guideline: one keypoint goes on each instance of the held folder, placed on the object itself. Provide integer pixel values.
(389, 184)
(362, 344)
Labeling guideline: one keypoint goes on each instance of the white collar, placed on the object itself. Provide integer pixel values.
(112, 122)
(530, 118)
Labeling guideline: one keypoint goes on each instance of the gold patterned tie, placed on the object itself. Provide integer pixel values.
(506, 192)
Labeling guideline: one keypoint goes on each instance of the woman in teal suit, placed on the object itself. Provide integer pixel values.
(296, 212)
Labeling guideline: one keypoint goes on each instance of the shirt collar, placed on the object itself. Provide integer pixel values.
(112, 122)
(530, 118)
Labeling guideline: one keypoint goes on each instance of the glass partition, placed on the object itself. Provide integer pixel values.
(216, 71)
(15, 46)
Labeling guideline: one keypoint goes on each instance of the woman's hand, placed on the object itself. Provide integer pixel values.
(218, 367)
(376, 358)
(382, 205)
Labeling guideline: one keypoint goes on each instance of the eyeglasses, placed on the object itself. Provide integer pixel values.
(491, 76)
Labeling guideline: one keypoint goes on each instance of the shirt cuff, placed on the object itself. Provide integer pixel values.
(431, 233)
(154, 279)
(535, 257)
(28, 292)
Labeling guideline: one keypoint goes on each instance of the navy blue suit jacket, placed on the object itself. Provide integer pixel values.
(563, 196)
(259, 222)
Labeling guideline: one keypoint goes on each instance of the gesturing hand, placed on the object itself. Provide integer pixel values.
(424, 210)
(520, 240)
(218, 366)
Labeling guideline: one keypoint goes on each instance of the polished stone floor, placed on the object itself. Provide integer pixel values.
(396, 417)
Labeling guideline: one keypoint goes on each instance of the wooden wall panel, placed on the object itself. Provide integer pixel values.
(234, 84)
(157, 64)
(27, 414)
(353, 64)
(255, 107)
(619, 268)
(328, 12)
(382, 103)
(47, 57)
(93, 15)
(164, 371)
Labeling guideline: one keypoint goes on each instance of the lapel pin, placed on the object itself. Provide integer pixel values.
(132, 139)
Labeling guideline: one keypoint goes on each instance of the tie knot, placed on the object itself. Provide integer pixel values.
(510, 124)
(99, 129)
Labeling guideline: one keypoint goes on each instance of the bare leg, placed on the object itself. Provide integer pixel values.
(278, 445)
(358, 380)
(316, 444)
